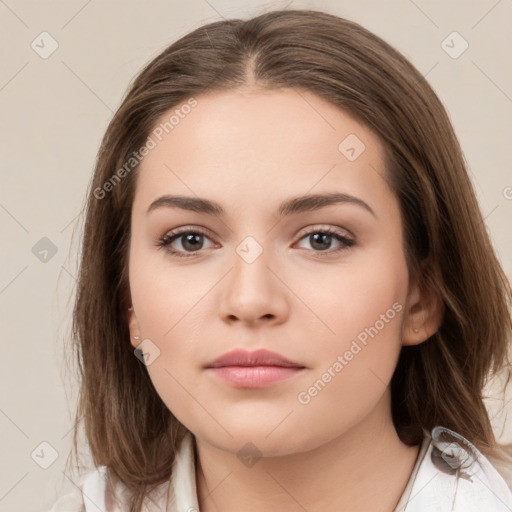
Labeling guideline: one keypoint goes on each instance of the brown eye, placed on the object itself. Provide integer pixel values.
(321, 241)
(179, 243)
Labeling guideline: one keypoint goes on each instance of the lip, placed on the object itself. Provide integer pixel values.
(257, 369)
(260, 357)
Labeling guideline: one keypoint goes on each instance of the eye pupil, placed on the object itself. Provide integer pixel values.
(195, 241)
(321, 238)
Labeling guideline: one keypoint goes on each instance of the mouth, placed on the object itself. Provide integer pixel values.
(251, 370)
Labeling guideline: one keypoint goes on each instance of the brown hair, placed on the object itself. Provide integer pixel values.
(439, 382)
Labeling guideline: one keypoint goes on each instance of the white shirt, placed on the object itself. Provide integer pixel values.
(450, 475)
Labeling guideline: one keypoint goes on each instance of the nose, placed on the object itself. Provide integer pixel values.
(253, 293)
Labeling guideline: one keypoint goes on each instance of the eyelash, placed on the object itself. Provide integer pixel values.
(165, 241)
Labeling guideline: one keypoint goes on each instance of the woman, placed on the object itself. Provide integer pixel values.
(282, 230)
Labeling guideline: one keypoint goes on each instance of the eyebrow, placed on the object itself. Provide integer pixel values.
(294, 205)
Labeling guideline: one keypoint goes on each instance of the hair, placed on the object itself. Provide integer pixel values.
(128, 427)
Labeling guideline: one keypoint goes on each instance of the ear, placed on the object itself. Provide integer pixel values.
(424, 314)
(135, 338)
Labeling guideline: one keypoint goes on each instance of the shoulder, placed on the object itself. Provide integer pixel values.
(89, 492)
(452, 475)
(71, 502)
(91, 495)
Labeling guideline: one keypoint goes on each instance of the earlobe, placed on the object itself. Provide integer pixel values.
(134, 327)
(424, 315)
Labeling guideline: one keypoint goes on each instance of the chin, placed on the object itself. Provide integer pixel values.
(250, 439)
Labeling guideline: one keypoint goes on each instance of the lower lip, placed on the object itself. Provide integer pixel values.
(253, 377)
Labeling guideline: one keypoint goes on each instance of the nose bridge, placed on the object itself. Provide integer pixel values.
(253, 291)
(251, 277)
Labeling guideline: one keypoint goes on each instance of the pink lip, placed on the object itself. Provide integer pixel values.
(261, 368)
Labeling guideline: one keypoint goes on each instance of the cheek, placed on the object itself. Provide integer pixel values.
(356, 357)
(165, 297)
(166, 315)
(170, 305)
(368, 290)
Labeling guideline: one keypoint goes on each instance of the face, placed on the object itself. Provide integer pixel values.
(322, 283)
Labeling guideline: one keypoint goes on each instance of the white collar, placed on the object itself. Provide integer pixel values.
(183, 479)
(450, 475)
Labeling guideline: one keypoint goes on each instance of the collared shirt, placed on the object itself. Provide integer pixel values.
(450, 475)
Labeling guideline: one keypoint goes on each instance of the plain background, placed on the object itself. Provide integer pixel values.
(54, 112)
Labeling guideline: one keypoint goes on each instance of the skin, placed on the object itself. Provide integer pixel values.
(249, 149)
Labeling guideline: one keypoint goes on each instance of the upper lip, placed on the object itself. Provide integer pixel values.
(260, 357)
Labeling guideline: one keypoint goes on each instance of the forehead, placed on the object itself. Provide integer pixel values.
(258, 143)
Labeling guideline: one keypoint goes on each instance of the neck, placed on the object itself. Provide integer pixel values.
(365, 468)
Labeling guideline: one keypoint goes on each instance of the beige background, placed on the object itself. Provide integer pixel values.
(54, 113)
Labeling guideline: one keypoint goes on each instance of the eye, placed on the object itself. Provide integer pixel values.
(321, 240)
(191, 240)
